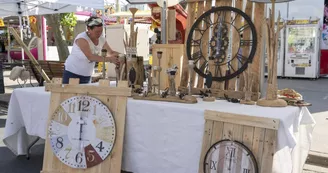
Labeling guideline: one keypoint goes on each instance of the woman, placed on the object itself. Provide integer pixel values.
(86, 51)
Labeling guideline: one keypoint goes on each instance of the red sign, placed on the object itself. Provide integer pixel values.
(324, 62)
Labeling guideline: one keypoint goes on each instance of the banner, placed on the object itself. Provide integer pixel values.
(324, 43)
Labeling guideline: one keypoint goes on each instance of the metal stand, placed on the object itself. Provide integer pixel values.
(30, 146)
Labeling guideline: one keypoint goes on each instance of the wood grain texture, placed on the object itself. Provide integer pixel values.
(200, 82)
(172, 54)
(246, 36)
(235, 47)
(197, 36)
(252, 121)
(190, 20)
(256, 65)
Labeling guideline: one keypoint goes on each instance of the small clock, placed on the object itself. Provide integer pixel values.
(229, 157)
(82, 132)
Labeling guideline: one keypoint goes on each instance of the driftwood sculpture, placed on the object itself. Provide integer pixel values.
(272, 36)
(248, 80)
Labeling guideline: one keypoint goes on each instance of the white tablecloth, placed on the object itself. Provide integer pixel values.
(164, 137)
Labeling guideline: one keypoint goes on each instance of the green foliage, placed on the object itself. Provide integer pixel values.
(69, 20)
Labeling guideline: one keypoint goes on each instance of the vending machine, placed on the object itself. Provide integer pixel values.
(280, 55)
(303, 49)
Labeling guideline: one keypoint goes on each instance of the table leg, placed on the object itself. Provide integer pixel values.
(30, 146)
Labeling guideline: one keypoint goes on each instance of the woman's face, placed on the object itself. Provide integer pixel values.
(96, 32)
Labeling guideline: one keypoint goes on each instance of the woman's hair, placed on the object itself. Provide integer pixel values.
(94, 22)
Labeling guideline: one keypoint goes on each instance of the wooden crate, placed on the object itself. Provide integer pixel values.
(172, 54)
(258, 134)
(115, 98)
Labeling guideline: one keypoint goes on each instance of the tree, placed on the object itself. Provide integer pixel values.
(57, 22)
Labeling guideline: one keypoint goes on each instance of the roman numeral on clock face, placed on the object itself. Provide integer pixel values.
(213, 165)
(246, 170)
(246, 42)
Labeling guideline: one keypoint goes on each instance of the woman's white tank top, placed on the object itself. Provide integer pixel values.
(77, 62)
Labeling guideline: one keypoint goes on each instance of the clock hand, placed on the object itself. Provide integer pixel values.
(230, 161)
(81, 128)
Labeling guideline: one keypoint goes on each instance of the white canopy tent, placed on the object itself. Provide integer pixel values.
(40, 7)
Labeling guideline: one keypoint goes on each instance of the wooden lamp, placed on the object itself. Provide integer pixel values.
(271, 99)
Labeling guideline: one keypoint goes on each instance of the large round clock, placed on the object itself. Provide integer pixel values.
(218, 23)
(229, 156)
(82, 132)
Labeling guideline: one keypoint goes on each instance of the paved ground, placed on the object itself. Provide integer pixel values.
(312, 91)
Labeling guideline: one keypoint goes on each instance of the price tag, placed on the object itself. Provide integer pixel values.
(131, 50)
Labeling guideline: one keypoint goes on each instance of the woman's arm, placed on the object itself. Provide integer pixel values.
(85, 48)
(110, 50)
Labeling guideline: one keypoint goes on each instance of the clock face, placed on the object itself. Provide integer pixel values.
(228, 156)
(210, 38)
(82, 132)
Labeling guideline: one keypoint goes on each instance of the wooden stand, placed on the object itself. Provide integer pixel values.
(172, 54)
(248, 78)
(256, 133)
(220, 93)
(175, 99)
(115, 98)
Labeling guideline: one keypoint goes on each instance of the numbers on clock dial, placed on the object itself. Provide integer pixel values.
(231, 157)
(59, 143)
(213, 165)
(82, 132)
(79, 158)
(100, 146)
(84, 105)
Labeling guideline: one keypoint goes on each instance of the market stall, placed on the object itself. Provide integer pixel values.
(189, 111)
(163, 136)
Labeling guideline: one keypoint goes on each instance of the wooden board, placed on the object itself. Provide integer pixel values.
(171, 20)
(246, 36)
(190, 20)
(200, 82)
(257, 61)
(235, 47)
(220, 93)
(115, 99)
(256, 133)
(172, 54)
(158, 98)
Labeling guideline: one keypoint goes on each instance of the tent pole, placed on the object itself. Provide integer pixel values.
(21, 33)
(163, 23)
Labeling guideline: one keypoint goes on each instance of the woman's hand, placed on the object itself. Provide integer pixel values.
(113, 59)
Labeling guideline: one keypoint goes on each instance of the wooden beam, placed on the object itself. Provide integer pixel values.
(252, 121)
(29, 54)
